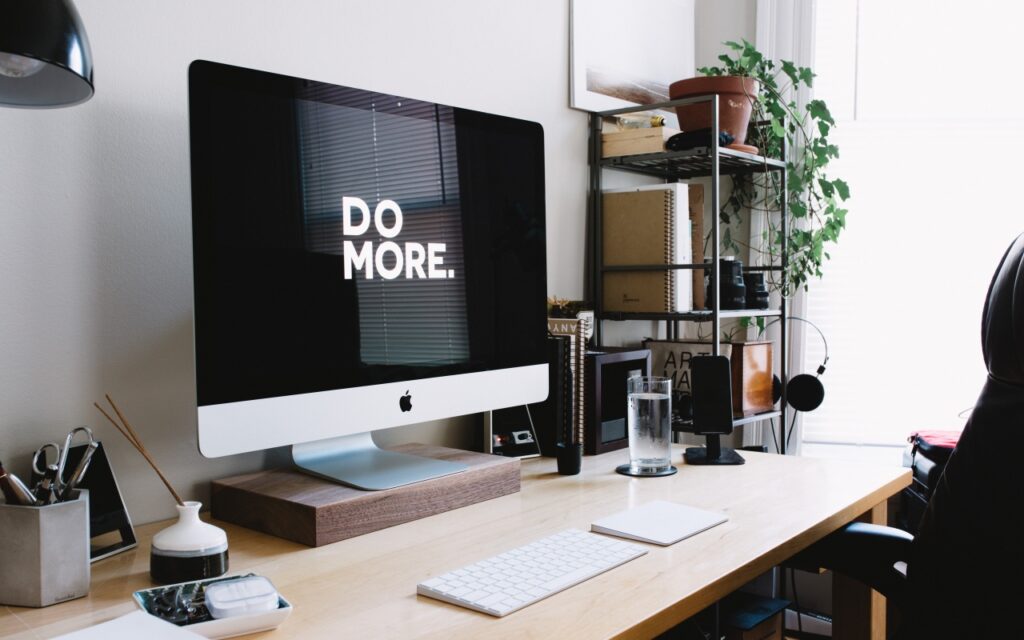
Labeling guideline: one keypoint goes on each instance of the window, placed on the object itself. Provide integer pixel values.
(931, 126)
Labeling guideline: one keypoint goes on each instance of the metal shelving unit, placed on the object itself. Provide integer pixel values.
(714, 162)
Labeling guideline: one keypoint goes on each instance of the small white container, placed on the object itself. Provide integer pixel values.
(190, 549)
(241, 597)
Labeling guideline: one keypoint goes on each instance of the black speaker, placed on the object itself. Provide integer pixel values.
(805, 393)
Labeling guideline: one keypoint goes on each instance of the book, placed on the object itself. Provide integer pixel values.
(696, 209)
(138, 624)
(576, 329)
(647, 226)
(552, 418)
(659, 522)
(635, 141)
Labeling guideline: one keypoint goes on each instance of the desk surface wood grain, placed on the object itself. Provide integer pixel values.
(366, 586)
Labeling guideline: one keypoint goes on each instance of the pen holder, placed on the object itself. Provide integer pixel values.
(44, 552)
(569, 458)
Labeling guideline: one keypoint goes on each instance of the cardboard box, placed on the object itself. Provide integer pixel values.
(633, 142)
(751, 378)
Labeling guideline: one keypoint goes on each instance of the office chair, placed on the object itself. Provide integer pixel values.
(968, 542)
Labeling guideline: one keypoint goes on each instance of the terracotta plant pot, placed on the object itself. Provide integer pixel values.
(735, 101)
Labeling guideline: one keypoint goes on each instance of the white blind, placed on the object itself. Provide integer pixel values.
(932, 165)
(377, 148)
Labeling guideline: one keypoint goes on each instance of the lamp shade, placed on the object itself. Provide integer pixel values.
(45, 60)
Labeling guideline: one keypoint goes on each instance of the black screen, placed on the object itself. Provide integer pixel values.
(345, 238)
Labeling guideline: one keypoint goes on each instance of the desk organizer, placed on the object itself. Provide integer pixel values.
(44, 554)
(187, 599)
(314, 512)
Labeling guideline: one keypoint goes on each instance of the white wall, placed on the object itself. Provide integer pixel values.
(95, 273)
(721, 20)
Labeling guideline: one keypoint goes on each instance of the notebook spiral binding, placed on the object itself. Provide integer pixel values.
(670, 249)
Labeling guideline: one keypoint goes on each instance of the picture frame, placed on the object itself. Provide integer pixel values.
(110, 527)
(606, 374)
(624, 54)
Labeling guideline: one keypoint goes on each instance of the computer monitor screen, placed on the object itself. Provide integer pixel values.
(361, 260)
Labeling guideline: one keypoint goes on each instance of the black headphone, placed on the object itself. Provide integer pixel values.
(804, 391)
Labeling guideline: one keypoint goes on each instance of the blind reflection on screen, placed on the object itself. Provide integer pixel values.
(402, 150)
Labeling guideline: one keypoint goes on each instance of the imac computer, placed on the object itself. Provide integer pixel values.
(361, 261)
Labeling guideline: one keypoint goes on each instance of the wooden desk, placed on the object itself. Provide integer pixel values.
(366, 586)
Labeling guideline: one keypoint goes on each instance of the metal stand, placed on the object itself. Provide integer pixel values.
(358, 462)
(712, 161)
(713, 454)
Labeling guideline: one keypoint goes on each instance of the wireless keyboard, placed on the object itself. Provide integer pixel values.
(512, 580)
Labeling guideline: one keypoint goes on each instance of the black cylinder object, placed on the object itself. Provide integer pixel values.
(569, 458)
(733, 294)
(757, 291)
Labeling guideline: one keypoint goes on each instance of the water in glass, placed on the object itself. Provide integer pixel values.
(650, 424)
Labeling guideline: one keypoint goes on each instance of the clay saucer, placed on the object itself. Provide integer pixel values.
(745, 148)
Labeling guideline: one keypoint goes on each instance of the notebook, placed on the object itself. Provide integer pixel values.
(552, 417)
(697, 242)
(647, 226)
(130, 627)
(576, 329)
(659, 522)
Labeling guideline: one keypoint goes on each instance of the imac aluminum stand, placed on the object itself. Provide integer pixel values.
(358, 462)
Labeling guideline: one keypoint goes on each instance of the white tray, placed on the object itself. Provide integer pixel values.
(226, 627)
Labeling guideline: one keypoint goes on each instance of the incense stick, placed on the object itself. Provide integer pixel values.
(129, 433)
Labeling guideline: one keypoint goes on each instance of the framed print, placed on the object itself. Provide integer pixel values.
(627, 53)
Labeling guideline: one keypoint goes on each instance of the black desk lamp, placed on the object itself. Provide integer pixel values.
(45, 60)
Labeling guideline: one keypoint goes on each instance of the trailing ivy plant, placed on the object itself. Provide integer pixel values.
(814, 199)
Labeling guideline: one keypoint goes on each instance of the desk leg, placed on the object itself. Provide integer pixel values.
(858, 612)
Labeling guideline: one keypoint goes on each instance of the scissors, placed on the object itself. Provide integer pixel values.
(52, 486)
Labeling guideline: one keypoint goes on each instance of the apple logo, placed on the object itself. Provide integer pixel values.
(405, 402)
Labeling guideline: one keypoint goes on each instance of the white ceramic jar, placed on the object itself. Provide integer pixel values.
(190, 549)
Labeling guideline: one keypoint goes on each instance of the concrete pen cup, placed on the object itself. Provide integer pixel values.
(44, 556)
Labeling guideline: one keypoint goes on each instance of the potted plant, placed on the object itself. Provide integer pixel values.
(734, 108)
(813, 197)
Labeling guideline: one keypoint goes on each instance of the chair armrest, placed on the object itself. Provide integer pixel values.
(864, 552)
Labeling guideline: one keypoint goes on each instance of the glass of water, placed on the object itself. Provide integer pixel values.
(649, 420)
